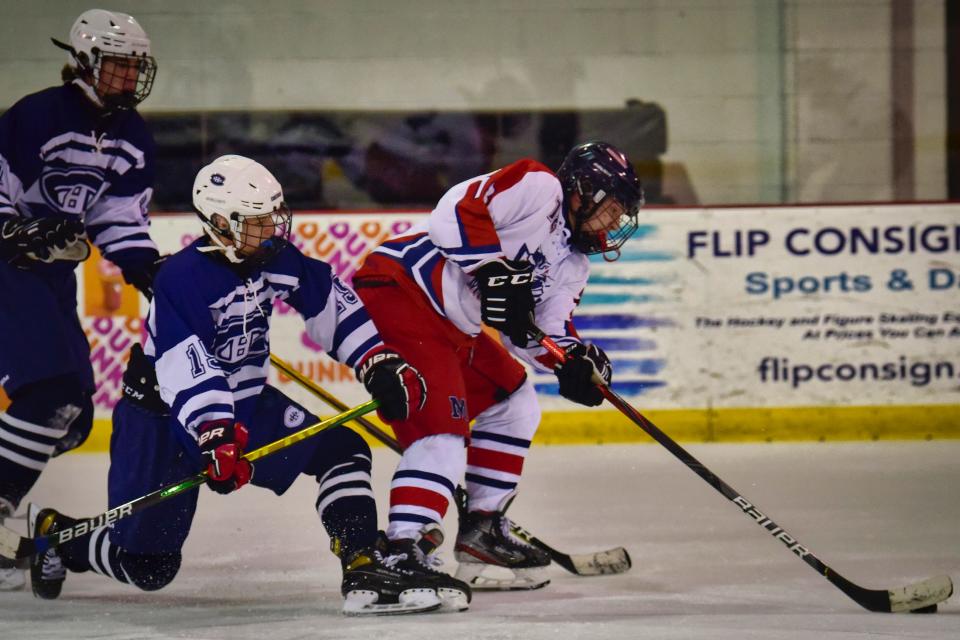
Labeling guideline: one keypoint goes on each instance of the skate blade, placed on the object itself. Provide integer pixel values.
(508, 580)
(452, 601)
(364, 603)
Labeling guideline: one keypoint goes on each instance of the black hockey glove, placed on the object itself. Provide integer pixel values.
(578, 376)
(43, 239)
(140, 385)
(506, 297)
(222, 443)
(395, 383)
(142, 277)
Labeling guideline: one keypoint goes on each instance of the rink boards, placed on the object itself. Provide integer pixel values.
(723, 324)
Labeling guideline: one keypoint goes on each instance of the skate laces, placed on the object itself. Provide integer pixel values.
(506, 529)
(52, 568)
(392, 560)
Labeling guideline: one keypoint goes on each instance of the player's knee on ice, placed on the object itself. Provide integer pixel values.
(151, 572)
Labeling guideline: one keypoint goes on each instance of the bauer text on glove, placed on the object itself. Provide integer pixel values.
(222, 443)
(394, 383)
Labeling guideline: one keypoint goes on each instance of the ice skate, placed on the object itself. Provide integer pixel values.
(47, 572)
(374, 586)
(492, 558)
(417, 556)
(12, 577)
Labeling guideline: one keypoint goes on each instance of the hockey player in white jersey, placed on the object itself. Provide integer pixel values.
(499, 248)
(208, 341)
(76, 162)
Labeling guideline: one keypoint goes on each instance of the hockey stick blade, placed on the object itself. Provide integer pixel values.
(15, 547)
(611, 561)
(921, 597)
(587, 564)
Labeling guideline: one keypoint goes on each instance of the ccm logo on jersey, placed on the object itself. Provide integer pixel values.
(518, 278)
(209, 435)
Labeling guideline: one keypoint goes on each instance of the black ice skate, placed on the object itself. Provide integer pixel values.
(47, 572)
(11, 576)
(417, 555)
(374, 586)
(485, 541)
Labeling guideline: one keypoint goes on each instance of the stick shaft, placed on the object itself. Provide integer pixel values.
(867, 598)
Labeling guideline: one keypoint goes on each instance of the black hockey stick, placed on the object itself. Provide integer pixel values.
(14, 546)
(921, 597)
(582, 564)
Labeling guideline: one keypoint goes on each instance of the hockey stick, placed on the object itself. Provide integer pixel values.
(921, 597)
(14, 546)
(582, 564)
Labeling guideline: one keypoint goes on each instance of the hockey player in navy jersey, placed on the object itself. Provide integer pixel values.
(208, 341)
(76, 162)
(499, 248)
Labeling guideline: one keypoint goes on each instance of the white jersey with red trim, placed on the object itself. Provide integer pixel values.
(515, 212)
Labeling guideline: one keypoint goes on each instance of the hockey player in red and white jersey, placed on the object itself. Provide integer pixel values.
(502, 248)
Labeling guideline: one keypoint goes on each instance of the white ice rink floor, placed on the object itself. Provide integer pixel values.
(256, 566)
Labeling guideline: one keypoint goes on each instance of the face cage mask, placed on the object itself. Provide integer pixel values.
(606, 242)
(230, 241)
(147, 67)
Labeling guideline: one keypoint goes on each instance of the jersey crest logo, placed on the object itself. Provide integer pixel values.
(293, 417)
(72, 190)
(458, 408)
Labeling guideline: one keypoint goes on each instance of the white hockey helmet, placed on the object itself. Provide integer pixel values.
(99, 34)
(241, 205)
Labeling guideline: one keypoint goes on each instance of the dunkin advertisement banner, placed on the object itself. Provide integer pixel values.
(706, 310)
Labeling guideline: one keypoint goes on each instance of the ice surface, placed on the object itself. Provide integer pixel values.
(256, 566)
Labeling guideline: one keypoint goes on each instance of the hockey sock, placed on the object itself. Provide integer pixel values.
(347, 507)
(423, 484)
(97, 553)
(345, 503)
(499, 443)
(38, 416)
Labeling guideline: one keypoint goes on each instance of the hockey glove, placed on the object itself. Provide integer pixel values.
(506, 297)
(578, 375)
(142, 278)
(396, 384)
(222, 443)
(43, 239)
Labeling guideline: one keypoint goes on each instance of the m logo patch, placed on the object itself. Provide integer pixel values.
(293, 417)
(458, 408)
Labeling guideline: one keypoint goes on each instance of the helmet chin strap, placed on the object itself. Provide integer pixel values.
(229, 251)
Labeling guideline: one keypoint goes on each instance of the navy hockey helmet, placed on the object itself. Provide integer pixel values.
(609, 194)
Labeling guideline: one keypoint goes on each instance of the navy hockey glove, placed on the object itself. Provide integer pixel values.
(142, 277)
(506, 297)
(578, 375)
(222, 443)
(395, 383)
(44, 239)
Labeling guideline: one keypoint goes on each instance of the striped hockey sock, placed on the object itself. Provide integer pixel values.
(423, 484)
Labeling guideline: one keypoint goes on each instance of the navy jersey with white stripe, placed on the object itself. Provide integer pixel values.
(208, 328)
(62, 157)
